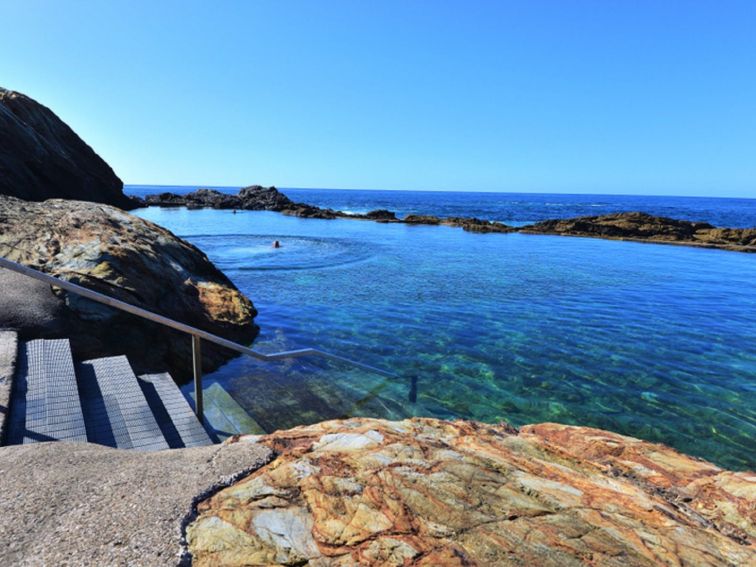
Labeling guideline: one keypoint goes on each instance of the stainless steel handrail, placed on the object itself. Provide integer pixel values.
(196, 334)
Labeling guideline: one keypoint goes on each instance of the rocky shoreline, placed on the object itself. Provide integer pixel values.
(432, 492)
(634, 226)
(371, 492)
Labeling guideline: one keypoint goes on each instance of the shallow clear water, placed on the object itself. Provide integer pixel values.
(649, 340)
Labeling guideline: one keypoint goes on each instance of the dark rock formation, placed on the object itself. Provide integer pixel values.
(311, 212)
(105, 249)
(253, 198)
(257, 198)
(381, 215)
(625, 226)
(648, 228)
(42, 158)
(472, 224)
(421, 219)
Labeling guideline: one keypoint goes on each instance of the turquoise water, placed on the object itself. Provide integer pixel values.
(653, 341)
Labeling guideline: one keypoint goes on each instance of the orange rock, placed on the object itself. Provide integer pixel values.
(430, 492)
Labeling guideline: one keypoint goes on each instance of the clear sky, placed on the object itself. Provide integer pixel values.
(605, 96)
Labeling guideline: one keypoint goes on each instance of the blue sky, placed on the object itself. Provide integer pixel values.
(649, 97)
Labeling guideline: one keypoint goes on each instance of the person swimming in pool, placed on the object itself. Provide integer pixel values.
(276, 244)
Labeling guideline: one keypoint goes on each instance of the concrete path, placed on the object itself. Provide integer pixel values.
(8, 354)
(85, 504)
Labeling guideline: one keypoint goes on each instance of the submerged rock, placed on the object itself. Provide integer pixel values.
(42, 158)
(108, 250)
(644, 227)
(429, 492)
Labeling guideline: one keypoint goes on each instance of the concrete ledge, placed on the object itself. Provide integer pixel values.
(85, 504)
(8, 355)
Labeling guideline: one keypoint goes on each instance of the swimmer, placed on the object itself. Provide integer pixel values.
(276, 244)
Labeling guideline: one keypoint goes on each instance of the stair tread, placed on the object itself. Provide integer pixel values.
(117, 413)
(46, 400)
(224, 414)
(180, 425)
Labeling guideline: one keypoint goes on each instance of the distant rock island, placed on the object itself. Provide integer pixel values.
(642, 227)
(42, 158)
(635, 226)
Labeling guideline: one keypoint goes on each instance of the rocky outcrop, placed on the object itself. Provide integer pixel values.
(648, 228)
(428, 492)
(381, 215)
(256, 198)
(108, 250)
(422, 219)
(253, 198)
(42, 158)
(470, 224)
(621, 226)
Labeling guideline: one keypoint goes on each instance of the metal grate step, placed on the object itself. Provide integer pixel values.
(174, 415)
(46, 403)
(115, 409)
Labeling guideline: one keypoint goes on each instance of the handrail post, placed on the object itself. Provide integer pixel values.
(197, 368)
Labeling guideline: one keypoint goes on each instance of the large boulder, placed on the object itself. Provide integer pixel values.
(429, 492)
(108, 250)
(42, 158)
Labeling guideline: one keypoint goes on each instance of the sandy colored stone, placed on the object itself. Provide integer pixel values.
(429, 492)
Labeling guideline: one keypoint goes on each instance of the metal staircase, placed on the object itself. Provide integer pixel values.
(100, 401)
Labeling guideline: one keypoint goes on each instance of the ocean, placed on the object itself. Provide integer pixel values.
(653, 341)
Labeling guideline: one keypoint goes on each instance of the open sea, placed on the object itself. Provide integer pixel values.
(648, 340)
